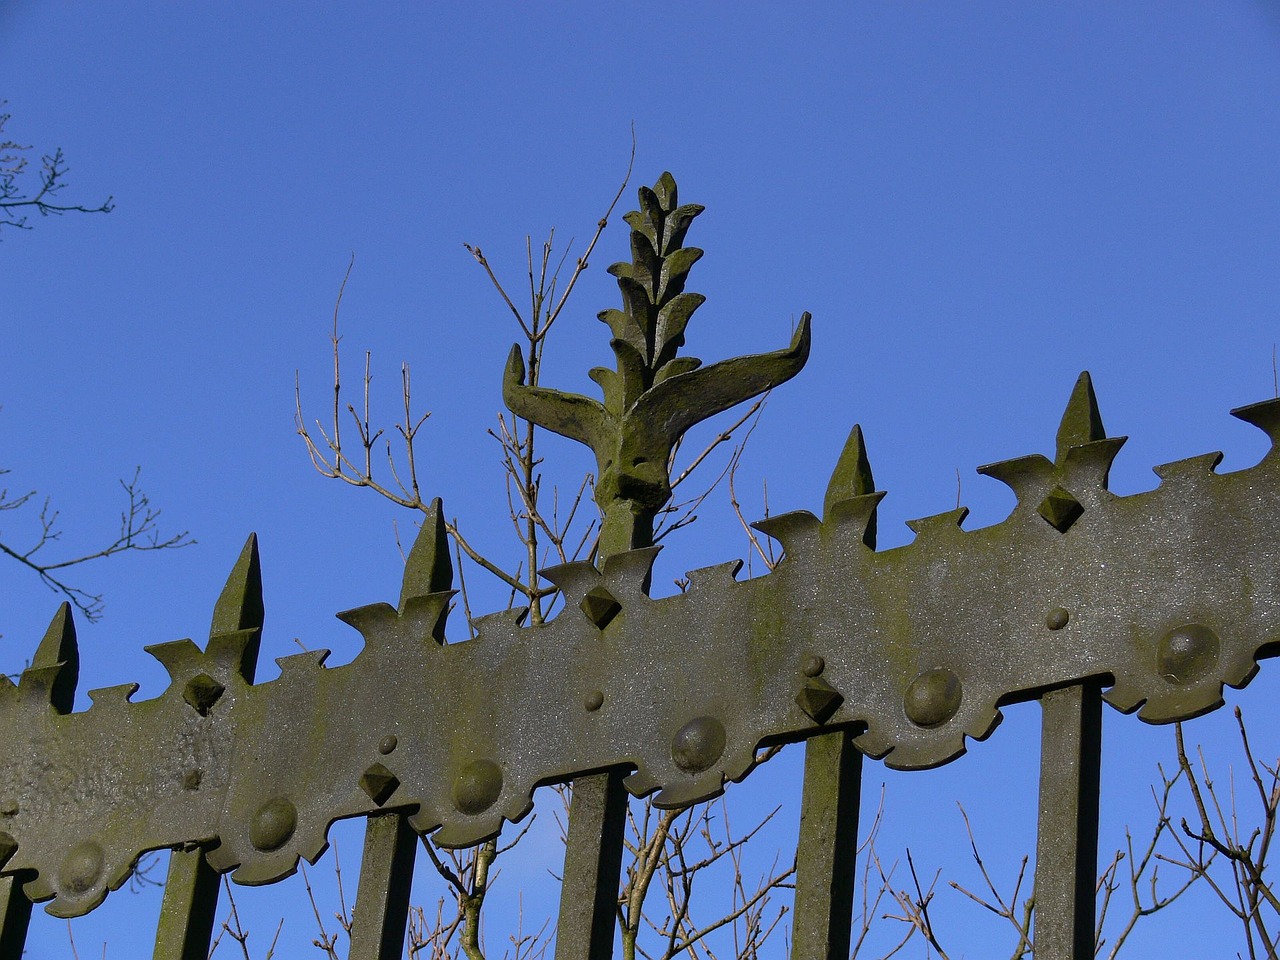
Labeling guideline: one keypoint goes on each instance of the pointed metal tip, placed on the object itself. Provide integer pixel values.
(852, 474)
(59, 643)
(240, 605)
(802, 339)
(1081, 421)
(428, 568)
(515, 366)
(59, 649)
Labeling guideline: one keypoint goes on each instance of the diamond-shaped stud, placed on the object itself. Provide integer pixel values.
(202, 692)
(379, 783)
(600, 606)
(1060, 509)
(819, 699)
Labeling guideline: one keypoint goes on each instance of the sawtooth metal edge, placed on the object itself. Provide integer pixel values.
(1169, 593)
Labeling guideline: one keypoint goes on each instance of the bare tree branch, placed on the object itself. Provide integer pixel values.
(139, 532)
(18, 199)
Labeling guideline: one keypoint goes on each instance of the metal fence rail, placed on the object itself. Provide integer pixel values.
(1152, 602)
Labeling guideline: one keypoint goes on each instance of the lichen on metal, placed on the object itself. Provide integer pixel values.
(1165, 596)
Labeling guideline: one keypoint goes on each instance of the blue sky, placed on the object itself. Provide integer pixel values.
(976, 202)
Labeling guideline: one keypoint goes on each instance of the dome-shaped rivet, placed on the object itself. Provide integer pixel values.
(1187, 653)
(477, 787)
(933, 698)
(81, 868)
(698, 744)
(1057, 618)
(594, 701)
(813, 666)
(273, 824)
(387, 744)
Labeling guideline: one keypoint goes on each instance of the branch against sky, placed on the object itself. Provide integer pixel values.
(139, 531)
(23, 191)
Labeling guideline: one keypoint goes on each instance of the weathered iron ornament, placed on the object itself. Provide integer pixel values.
(1162, 597)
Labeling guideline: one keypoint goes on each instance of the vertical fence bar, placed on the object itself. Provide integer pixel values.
(390, 844)
(1067, 847)
(191, 889)
(15, 916)
(382, 899)
(189, 908)
(58, 658)
(597, 814)
(831, 799)
(825, 852)
(592, 864)
(1070, 756)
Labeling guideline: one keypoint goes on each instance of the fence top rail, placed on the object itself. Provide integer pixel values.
(1167, 594)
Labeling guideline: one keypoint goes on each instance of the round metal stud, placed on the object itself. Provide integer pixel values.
(1187, 653)
(387, 744)
(1057, 618)
(477, 787)
(273, 824)
(698, 744)
(933, 698)
(81, 869)
(813, 666)
(594, 701)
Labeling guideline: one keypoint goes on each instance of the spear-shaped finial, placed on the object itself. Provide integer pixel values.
(852, 478)
(57, 661)
(852, 474)
(1081, 422)
(239, 608)
(428, 568)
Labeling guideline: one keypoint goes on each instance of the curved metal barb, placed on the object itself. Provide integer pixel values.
(1169, 594)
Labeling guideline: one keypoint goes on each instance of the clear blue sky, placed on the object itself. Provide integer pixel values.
(976, 202)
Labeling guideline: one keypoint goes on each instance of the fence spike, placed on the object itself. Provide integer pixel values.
(852, 474)
(1070, 760)
(390, 844)
(239, 607)
(1081, 421)
(191, 888)
(56, 664)
(832, 794)
(235, 632)
(428, 568)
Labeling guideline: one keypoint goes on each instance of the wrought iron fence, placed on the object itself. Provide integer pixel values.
(1151, 602)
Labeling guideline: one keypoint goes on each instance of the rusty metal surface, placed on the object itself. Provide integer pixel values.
(1164, 596)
